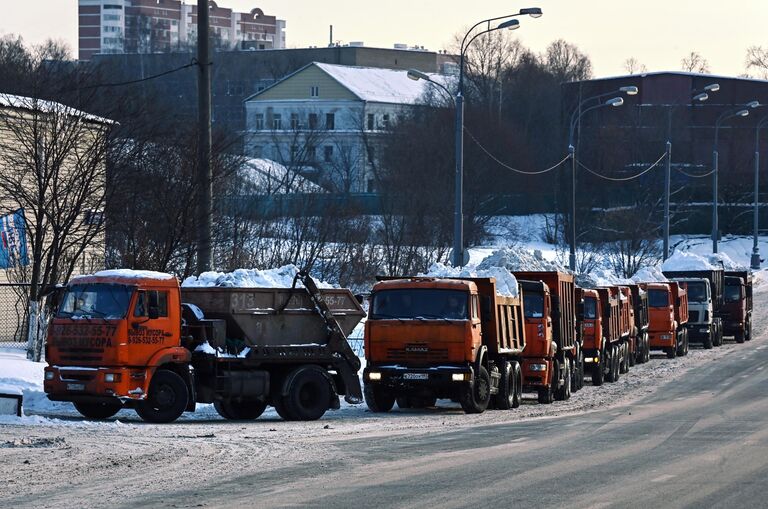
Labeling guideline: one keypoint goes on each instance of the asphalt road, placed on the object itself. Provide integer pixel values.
(700, 441)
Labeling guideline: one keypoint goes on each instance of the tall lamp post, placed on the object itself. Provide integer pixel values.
(741, 111)
(458, 225)
(698, 96)
(755, 260)
(575, 117)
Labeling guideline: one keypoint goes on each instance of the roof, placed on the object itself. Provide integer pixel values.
(675, 73)
(270, 177)
(374, 84)
(127, 277)
(43, 106)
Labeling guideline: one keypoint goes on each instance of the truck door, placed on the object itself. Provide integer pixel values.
(150, 327)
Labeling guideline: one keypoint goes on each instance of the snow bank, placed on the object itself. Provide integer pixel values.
(506, 284)
(281, 277)
(681, 260)
(129, 273)
(721, 258)
(649, 275)
(519, 259)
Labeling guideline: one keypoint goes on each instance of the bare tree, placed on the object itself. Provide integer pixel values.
(567, 62)
(633, 66)
(757, 59)
(694, 62)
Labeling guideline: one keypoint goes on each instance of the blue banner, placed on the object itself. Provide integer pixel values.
(13, 240)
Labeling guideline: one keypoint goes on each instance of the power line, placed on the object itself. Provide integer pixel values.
(506, 166)
(710, 172)
(193, 63)
(624, 179)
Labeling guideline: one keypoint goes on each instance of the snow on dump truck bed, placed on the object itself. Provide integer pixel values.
(506, 284)
(649, 275)
(685, 261)
(281, 277)
(520, 260)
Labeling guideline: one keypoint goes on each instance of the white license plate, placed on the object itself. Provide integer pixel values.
(415, 376)
(704, 330)
(75, 387)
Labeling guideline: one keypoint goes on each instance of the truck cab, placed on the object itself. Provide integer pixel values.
(700, 311)
(668, 314)
(737, 307)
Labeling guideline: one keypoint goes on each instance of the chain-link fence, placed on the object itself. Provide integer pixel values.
(14, 313)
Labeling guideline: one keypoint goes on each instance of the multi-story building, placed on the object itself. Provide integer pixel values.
(162, 26)
(325, 121)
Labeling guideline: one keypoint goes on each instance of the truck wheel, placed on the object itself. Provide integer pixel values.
(624, 356)
(98, 410)
(546, 396)
(564, 393)
(647, 349)
(631, 356)
(707, 342)
(474, 399)
(598, 371)
(378, 399)
(517, 376)
(739, 336)
(671, 352)
(610, 376)
(167, 398)
(505, 398)
(617, 363)
(308, 394)
(719, 336)
(246, 410)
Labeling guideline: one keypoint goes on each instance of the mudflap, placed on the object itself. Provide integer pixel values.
(354, 393)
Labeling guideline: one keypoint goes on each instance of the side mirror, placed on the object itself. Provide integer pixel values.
(153, 312)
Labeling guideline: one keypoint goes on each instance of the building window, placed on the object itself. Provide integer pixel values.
(311, 153)
(294, 120)
(371, 155)
(370, 188)
(328, 153)
(371, 122)
(330, 121)
(314, 91)
(93, 217)
(313, 120)
(259, 121)
(385, 121)
(277, 121)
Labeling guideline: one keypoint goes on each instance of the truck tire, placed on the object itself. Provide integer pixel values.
(718, 341)
(517, 376)
(748, 329)
(564, 393)
(244, 410)
(617, 363)
(167, 398)
(598, 371)
(98, 410)
(739, 336)
(682, 351)
(624, 356)
(647, 349)
(505, 398)
(378, 399)
(474, 399)
(577, 374)
(708, 342)
(611, 368)
(671, 352)
(308, 394)
(631, 356)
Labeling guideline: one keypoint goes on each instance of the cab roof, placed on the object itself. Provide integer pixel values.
(128, 277)
(425, 282)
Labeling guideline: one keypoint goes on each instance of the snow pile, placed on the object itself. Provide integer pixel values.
(519, 260)
(727, 262)
(506, 284)
(281, 277)
(649, 275)
(129, 274)
(680, 261)
(600, 277)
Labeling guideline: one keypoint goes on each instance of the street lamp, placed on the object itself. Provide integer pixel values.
(755, 260)
(741, 111)
(458, 219)
(699, 96)
(575, 117)
(417, 75)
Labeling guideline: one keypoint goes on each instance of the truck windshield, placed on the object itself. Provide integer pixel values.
(732, 293)
(419, 304)
(534, 305)
(697, 292)
(657, 299)
(590, 308)
(95, 300)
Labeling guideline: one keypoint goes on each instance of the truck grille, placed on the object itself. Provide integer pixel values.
(81, 354)
(414, 355)
(693, 316)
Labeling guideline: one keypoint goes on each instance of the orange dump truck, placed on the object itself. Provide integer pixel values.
(668, 314)
(129, 339)
(429, 338)
(552, 351)
(604, 321)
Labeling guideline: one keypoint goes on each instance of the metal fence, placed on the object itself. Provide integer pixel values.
(14, 312)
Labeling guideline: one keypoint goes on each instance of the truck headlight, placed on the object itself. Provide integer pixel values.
(49, 375)
(588, 359)
(458, 377)
(538, 367)
(374, 375)
(112, 377)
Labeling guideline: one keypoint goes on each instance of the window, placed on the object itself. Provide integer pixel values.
(371, 155)
(93, 217)
(590, 308)
(385, 121)
(328, 153)
(314, 91)
(259, 121)
(294, 120)
(371, 188)
(371, 121)
(149, 299)
(313, 120)
(330, 121)
(311, 153)
(277, 121)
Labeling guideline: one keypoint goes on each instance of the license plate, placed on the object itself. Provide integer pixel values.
(415, 376)
(75, 387)
(704, 330)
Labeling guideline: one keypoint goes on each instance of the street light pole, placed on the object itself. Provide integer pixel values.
(204, 175)
(755, 259)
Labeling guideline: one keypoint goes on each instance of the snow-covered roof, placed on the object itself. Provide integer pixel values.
(674, 73)
(128, 274)
(32, 104)
(265, 176)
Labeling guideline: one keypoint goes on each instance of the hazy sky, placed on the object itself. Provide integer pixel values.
(658, 33)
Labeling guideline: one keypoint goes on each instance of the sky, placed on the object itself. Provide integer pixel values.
(658, 33)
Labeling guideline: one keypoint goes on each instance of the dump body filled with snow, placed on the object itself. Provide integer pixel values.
(686, 261)
(520, 260)
(506, 284)
(649, 275)
(281, 277)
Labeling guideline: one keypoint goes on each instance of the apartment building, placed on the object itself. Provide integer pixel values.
(162, 26)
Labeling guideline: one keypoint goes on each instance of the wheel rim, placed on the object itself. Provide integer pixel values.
(164, 396)
(308, 395)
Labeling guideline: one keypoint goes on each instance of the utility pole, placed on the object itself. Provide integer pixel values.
(204, 175)
(667, 178)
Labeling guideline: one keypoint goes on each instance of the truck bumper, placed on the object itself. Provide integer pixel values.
(664, 339)
(732, 327)
(536, 373)
(591, 356)
(403, 378)
(94, 384)
(698, 332)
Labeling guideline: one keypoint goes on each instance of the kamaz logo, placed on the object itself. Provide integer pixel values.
(417, 349)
